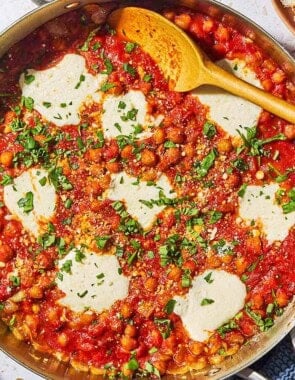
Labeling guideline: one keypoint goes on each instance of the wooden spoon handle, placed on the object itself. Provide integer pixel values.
(221, 78)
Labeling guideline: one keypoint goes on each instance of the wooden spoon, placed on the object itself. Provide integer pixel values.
(182, 61)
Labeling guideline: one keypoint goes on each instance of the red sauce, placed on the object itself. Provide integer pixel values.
(130, 331)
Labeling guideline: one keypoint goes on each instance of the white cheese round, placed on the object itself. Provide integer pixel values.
(44, 200)
(59, 92)
(231, 112)
(134, 193)
(259, 203)
(91, 282)
(210, 303)
(124, 113)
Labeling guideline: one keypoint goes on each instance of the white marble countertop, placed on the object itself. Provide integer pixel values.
(260, 11)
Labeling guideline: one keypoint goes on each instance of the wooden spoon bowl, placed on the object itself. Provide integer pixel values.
(183, 62)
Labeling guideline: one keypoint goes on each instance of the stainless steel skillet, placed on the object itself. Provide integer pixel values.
(47, 365)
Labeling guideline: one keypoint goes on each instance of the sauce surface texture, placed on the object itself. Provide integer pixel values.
(142, 231)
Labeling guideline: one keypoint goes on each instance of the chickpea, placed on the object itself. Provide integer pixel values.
(241, 265)
(259, 175)
(257, 301)
(196, 348)
(224, 146)
(130, 330)
(183, 21)
(127, 152)
(6, 158)
(175, 274)
(222, 34)
(35, 308)
(63, 339)
(10, 307)
(149, 175)
(278, 77)
(232, 350)
(208, 25)
(176, 135)
(172, 155)
(253, 243)
(6, 253)
(94, 155)
(235, 337)
(36, 292)
(151, 284)
(216, 359)
(226, 259)
(169, 15)
(200, 363)
(189, 150)
(159, 136)
(148, 157)
(289, 131)
(282, 298)
(52, 315)
(113, 167)
(267, 84)
(214, 261)
(126, 310)
(128, 343)
(93, 188)
(105, 181)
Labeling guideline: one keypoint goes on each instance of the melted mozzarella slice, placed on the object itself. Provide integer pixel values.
(123, 114)
(210, 303)
(93, 282)
(59, 91)
(259, 203)
(231, 112)
(138, 196)
(44, 200)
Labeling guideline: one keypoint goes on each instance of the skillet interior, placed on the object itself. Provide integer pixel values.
(52, 368)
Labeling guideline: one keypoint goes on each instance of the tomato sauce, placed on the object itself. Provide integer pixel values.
(138, 329)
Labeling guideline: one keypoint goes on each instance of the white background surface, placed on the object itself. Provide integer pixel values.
(260, 11)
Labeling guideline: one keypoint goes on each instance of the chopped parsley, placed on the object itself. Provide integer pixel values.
(263, 324)
(253, 144)
(130, 46)
(81, 80)
(108, 66)
(101, 241)
(67, 266)
(6, 180)
(85, 46)
(208, 278)
(27, 203)
(27, 102)
(47, 104)
(205, 165)
(133, 364)
(170, 252)
(209, 130)
(29, 78)
(206, 301)
(81, 295)
(107, 86)
(147, 77)
(15, 280)
(129, 69)
(169, 307)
